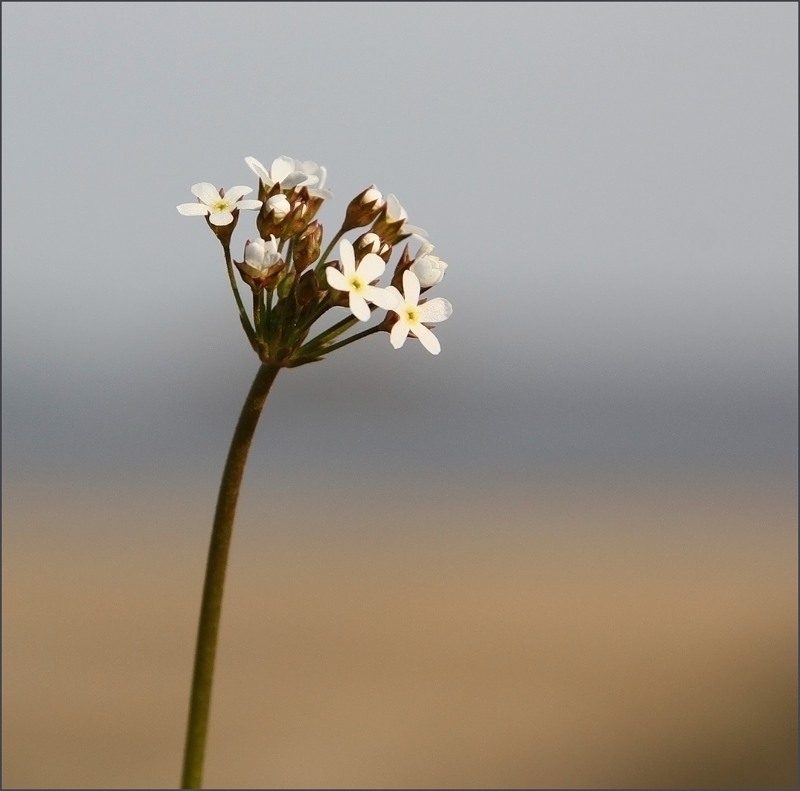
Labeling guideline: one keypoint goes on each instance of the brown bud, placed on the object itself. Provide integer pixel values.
(307, 288)
(390, 231)
(363, 209)
(306, 246)
(266, 222)
(402, 265)
(285, 284)
(304, 209)
(259, 279)
(371, 243)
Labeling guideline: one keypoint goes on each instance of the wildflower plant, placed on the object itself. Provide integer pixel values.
(294, 290)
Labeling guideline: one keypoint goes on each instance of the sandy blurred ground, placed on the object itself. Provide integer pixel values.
(616, 633)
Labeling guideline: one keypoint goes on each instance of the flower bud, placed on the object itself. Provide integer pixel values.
(307, 288)
(306, 246)
(262, 264)
(363, 209)
(279, 206)
(429, 269)
(402, 265)
(304, 209)
(266, 222)
(389, 230)
(285, 284)
(371, 243)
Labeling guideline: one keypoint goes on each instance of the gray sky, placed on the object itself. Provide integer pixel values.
(614, 187)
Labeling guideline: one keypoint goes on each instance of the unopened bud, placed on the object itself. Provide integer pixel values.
(262, 264)
(307, 288)
(371, 243)
(363, 209)
(279, 206)
(304, 209)
(306, 246)
(389, 230)
(428, 268)
(285, 284)
(266, 222)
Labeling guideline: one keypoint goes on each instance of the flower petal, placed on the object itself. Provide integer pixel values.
(192, 209)
(347, 257)
(414, 230)
(394, 211)
(425, 247)
(396, 299)
(436, 310)
(235, 193)
(248, 204)
(336, 279)
(398, 335)
(359, 307)
(381, 297)
(427, 339)
(371, 267)
(316, 192)
(259, 170)
(207, 193)
(220, 218)
(281, 168)
(411, 287)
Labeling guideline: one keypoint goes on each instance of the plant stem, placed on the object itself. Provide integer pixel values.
(246, 326)
(211, 607)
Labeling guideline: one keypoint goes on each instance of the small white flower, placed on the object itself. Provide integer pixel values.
(356, 280)
(219, 208)
(282, 172)
(412, 315)
(394, 212)
(428, 268)
(291, 173)
(316, 176)
(279, 205)
(262, 254)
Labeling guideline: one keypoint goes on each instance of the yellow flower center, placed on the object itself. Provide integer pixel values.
(356, 283)
(220, 205)
(412, 316)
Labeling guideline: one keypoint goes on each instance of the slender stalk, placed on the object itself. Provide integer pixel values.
(328, 335)
(324, 257)
(357, 337)
(248, 328)
(211, 607)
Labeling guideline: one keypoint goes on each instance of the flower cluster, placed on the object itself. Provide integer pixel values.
(293, 285)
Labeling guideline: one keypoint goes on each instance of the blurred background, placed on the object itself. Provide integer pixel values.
(562, 553)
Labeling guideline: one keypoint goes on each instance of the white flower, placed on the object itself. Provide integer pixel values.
(395, 212)
(279, 205)
(316, 175)
(262, 254)
(291, 173)
(428, 268)
(283, 172)
(411, 315)
(219, 208)
(356, 280)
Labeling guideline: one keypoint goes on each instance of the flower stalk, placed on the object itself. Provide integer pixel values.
(214, 584)
(293, 287)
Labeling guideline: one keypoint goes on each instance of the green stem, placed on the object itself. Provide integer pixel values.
(324, 257)
(211, 607)
(246, 326)
(332, 332)
(357, 337)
